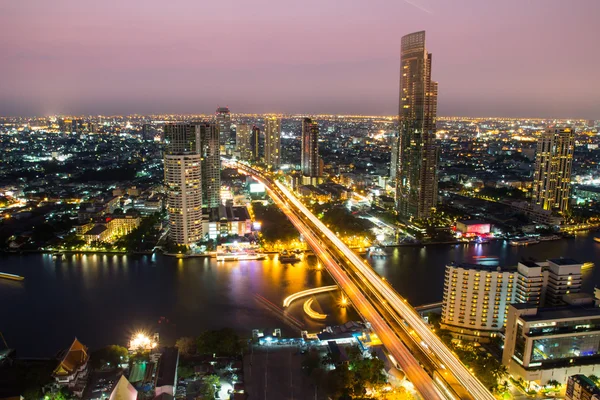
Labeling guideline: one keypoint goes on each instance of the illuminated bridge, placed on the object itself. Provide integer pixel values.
(428, 363)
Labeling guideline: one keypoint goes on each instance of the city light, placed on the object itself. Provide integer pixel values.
(142, 342)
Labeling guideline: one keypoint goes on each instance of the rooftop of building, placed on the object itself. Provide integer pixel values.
(473, 222)
(561, 312)
(75, 357)
(482, 267)
(96, 230)
(587, 382)
(167, 366)
(563, 261)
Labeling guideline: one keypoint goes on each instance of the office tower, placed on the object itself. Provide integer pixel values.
(272, 142)
(394, 159)
(543, 344)
(183, 182)
(310, 151)
(476, 300)
(552, 173)
(243, 136)
(255, 143)
(416, 177)
(225, 136)
(208, 133)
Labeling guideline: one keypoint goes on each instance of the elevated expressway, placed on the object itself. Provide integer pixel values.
(437, 373)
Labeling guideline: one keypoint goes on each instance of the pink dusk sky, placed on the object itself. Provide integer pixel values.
(521, 58)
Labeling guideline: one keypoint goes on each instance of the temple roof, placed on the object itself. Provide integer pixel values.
(75, 357)
(123, 390)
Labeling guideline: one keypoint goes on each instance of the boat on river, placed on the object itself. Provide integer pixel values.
(286, 257)
(11, 277)
(597, 239)
(377, 252)
(523, 242)
(547, 238)
(240, 256)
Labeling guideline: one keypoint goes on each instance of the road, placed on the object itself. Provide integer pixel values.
(336, 255)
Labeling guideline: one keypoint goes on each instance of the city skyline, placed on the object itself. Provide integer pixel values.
(501, 68)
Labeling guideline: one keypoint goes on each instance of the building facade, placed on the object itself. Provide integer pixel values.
(476, 300)
(273, 142)
(310, 151)
(552, 173)
(543, 344)
(416, 177)
(226, 139)
(211, 163)
(243, 136)
(255, 143)
(183, 182)
(545, 283)
(580, 387)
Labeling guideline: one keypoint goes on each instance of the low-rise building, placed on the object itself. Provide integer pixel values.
(111, 227)
(473, 227)
(544, 344)
(72, 371)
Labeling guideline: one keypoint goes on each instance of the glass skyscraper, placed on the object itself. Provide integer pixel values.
(416, 175)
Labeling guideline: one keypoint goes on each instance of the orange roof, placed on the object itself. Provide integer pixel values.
(75, 357)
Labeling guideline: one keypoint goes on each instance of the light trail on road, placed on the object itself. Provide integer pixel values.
(464, 376)
(416, 374)
(308, 292)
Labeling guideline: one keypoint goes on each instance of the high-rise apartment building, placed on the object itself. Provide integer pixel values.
(255, 143)
(394, 159)
(243, 137)
(211, 163)
(273, 142)
(226, 139)
(580, 387)
(476, 300)
(183, 182)
(552, 173)
(416, 177)
(310, 151)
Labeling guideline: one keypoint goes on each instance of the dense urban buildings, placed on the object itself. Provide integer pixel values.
(272, 142)
(417, 175)
(310, 151)
(552, 172)
(183, 182)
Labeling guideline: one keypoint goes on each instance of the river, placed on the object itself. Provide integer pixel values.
(102, 299)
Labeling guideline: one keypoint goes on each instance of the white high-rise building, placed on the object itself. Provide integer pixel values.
(272, 142)
(183, 182)
(476, 300)
(476, 297)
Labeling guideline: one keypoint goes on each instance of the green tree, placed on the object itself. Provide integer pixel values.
(187, 346)
(184, 371)
(110, 355)
(223, 342)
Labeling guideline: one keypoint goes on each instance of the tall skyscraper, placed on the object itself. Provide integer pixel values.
(243, 136)
(310, 150)
(394, 159)
(552, 173)
(226, 140)
(255, 143)
(416, 177)
(272, 142)
(183, 181)
(211, 163)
